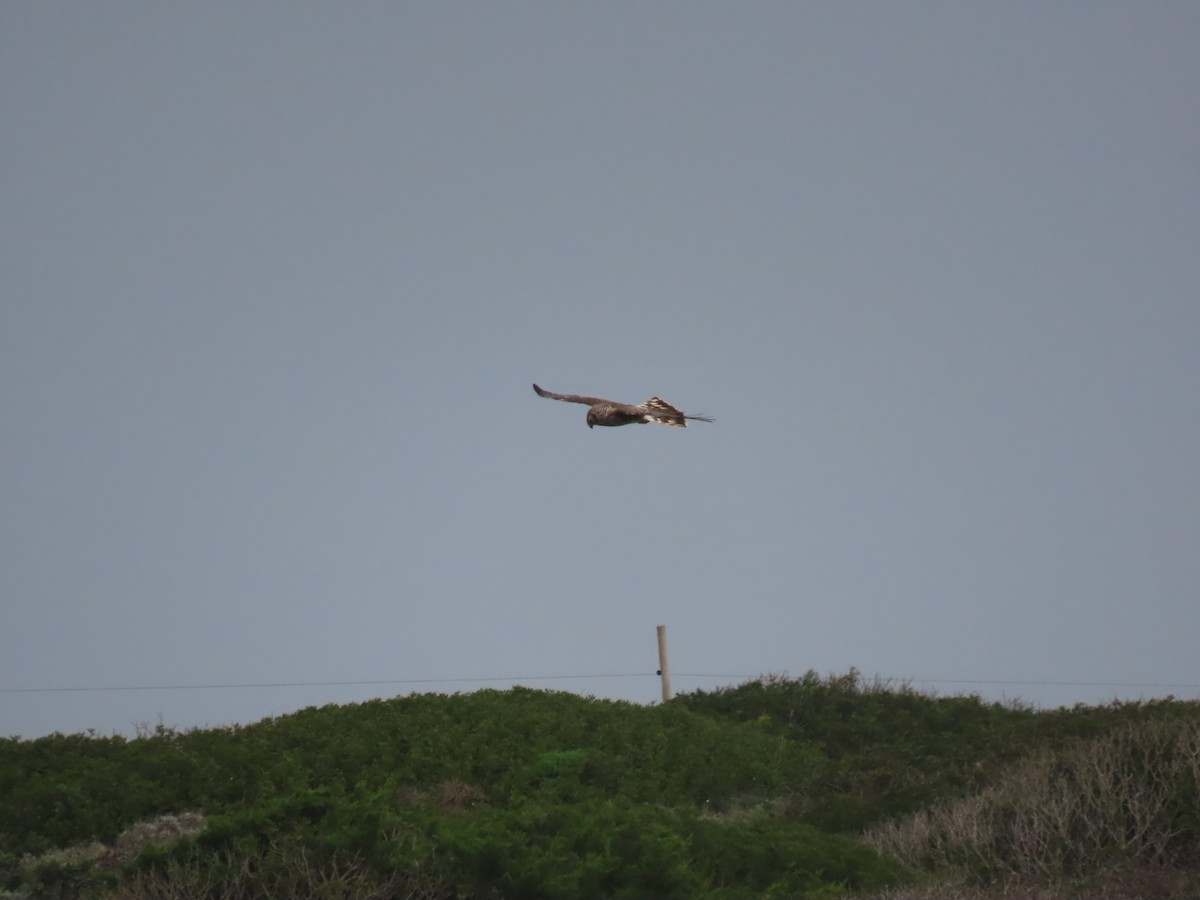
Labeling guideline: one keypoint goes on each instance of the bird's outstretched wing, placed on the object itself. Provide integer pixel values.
(573, 398)
(660, 411)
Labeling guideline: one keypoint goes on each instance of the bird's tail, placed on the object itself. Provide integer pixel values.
(660, 411)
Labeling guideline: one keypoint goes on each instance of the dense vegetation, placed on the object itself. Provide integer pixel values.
(780, 787)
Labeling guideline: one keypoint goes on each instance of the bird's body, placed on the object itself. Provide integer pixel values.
(612, 414)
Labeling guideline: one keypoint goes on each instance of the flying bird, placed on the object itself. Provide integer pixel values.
(609, 412)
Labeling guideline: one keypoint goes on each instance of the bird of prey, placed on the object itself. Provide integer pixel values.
(609, 412)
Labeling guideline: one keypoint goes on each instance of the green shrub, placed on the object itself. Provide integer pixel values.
(581, 850)
(777, 858)
(527, 793)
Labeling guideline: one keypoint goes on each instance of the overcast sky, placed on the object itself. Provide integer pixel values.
(275, 279)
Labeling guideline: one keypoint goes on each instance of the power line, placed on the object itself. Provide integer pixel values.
(284, 684)
(1121, 684)
(523, 678)
(984, 681)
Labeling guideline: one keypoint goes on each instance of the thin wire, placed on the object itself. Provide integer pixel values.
(1126, 684)
(522, 678)
(283, 684)
(1028, 682)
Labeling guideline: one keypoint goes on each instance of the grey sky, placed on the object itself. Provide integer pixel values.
(275, 279)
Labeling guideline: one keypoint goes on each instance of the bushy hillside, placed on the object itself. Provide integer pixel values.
(762, 790)
(887, 750)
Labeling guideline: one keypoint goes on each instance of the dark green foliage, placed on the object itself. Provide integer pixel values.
(889, 750)
(595, 848)
(729, 794)
(773, 858)
(65, 789)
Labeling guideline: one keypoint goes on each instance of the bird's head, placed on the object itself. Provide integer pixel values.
(591, 417)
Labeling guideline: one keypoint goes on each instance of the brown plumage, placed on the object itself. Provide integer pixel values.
(611, 413)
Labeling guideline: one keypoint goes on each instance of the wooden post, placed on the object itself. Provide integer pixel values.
(662, 663)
